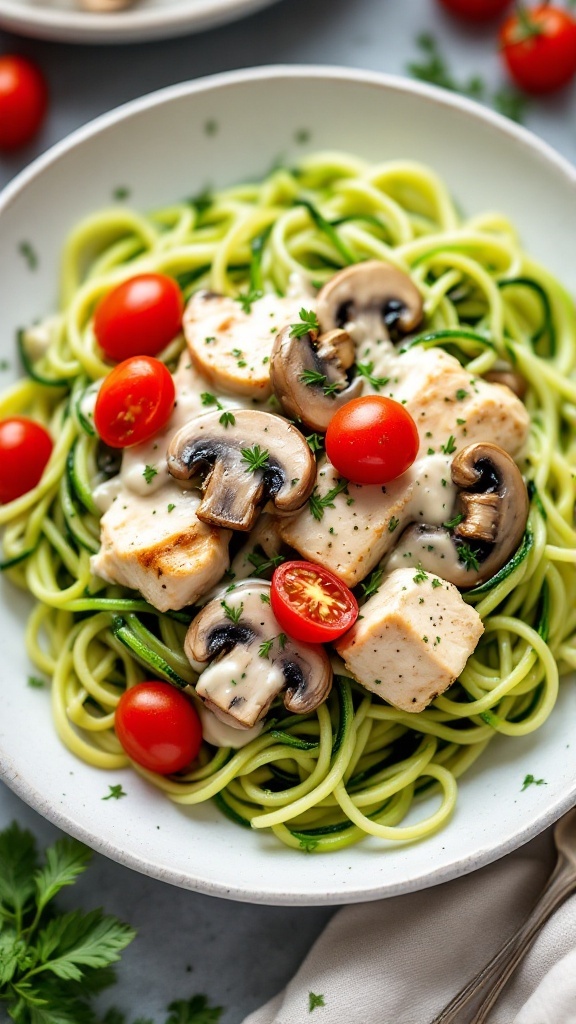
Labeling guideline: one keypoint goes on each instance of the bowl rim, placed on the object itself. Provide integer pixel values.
(541, 819)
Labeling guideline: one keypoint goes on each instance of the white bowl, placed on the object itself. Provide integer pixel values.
(158, 148)
(65, 21)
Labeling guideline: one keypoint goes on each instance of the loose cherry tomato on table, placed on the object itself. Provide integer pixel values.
(134, 402)
(372, 440)
(539, 48)
(139, 317)
(311, 603)
(476, 10)
(25, 448)
(23, 101)
(158, 727)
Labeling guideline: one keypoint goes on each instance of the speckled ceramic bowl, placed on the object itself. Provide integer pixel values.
(158, 148)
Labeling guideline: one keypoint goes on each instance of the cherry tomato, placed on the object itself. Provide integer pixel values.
(25, 447)
(158, 727)
(539, 48)
(135, 401)
(476, 10)
(311, 603)
(139, 317)
(372, 440)
(23, 101)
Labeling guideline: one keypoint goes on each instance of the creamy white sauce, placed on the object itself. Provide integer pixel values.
(221, 734)
(38, 338)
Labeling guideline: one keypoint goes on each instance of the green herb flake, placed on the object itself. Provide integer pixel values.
(121, 193)
(366, 370)
(317, 504)
(308, 322)
(302, 136)
(255, 458)
(530, 780)
(171, 507)
(265, 598)
(314, 1001)
(261, 564)
(36, 683)
(468, 557)
(149, 473)
(436, 583)
(313, 378)
(29, 254)
(116, 792)
(234, 614)
(246, 299)
(373, 584)
(461, 394)
(265, 648)
(227, 419)
(315, 442)
(451, 524)
(394, 522)
(420, 576)
(449, 447)
(208, 398)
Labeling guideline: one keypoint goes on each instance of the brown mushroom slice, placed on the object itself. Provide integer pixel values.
(372, 289)
(308, 375)
(259, 457)
(511, 379)
(493, 503)
(252, 660)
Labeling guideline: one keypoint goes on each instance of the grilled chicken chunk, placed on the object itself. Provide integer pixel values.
(412, 640)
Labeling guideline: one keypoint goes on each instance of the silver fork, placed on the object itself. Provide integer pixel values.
(475, 1001)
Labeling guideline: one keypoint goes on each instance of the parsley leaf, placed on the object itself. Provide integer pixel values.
(227, 419)
(530, 780)
(318, 504)
(315, 442)
(247, 298)
(420, 575)
(115, 793)
(231, 613)
(373, 584)
(449, 447)
(209, 399)
(468, 557)
(451, 524)
(255, 458)
(261, 564)
(313, 378)
(149, 473)
(308, 322)
(365, 370)
(314, 1001)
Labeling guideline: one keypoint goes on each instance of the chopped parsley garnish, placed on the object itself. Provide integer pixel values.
(313, 999)
(265, 598)
(436, 583)
(468, 557)
(234, 614)
(393, 524)
(461, 394)
(255, 458)
(29, 253)
(317, 504)
(36, 683)
(449, 447)
(451, 524)
(365, 370)
(308, 322)
(373, 584)
(209, 399)
(266, 647)
(246, 299)
(227, 419)
(530, 780)
(115, 793)
(121, 193)
(315, 442)
(262, 564)
(420, 575)
(149, 473)
(171, 507)
(313, 378)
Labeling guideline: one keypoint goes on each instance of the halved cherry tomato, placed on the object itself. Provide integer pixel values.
(134, 402)
(25, 448)
(372, 440)
(23, 101)
(476, 10)
(139, 317)
(539, 48)
(158, 727)
(311, 603)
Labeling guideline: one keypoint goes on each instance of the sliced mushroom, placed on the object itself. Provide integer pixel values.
(252, 660)
(254, 458)
(493, 503)
(510, 379)
(376, 289)
(309, 374)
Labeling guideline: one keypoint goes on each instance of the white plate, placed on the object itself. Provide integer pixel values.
(158, 148)
(63, 20)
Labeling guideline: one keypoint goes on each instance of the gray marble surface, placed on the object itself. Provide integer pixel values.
(239, 955)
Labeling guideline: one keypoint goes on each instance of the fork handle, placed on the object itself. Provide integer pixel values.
(492, 978)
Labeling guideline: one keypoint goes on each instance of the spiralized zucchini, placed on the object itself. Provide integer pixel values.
(356, 766)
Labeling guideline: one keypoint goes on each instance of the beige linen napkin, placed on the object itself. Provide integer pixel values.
(399, 961)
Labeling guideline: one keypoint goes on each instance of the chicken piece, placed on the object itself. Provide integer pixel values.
(447, 401)
(231, 347)
(413, 639)
(155, 544)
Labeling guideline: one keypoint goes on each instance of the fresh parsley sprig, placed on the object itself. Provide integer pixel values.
(317, 504)
(313, 378)
(50, 963)
(255, 458)
(308, 322)
(366, 370)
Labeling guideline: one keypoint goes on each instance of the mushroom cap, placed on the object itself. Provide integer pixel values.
(373, 287)
(329, 356)
(303, 671)
(493, 501)
(258, 457)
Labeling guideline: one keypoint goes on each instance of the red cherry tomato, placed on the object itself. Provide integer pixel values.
(539, 49)
(139, 317)
(311, 603)
(25, 447)
(372, 440)
(158, 727)
(476, 10)
(135, 401)
(23, 101)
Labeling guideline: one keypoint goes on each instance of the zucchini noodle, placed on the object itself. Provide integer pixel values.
(356, 765)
